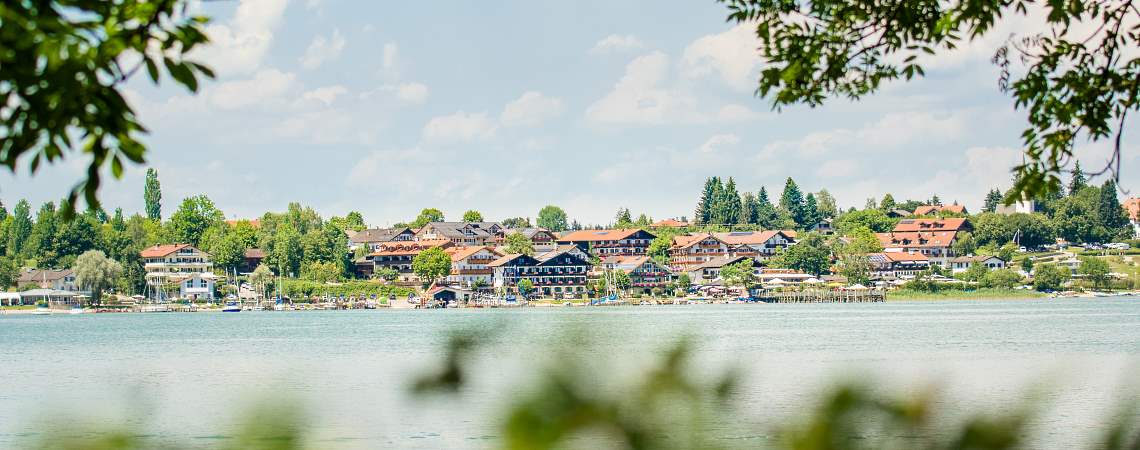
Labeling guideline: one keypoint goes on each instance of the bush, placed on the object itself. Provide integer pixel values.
(1001, 278)
(304, 289)
(1049, 277)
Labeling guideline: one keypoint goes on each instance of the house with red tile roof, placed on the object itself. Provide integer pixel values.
(1133, 207)
(178, 264)
(645, 274)
(760, 245)
(935, 245)
(603, 243)
(941, 224)
(469, 265)
(669, 223)
(397, 255)
(894, 265)
(689, 250)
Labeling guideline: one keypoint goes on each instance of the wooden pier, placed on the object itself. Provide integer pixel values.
(824, 296)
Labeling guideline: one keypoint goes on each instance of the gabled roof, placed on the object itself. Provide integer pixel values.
(975, 259)
(717, 263)
(374, 235)
(255, 253)
(401, 248)
(916, 239)
(750, 237)
(39, 276)
(947, 224)
(1133, 207)
(601, 235)
(159, 251)
(530, 232)
(505, 259)
(688, 240)
(933, 209)
(455, 230)
(463, 252)
(901, 256)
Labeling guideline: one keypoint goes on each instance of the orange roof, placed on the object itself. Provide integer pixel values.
(671, 223)
(916, 239)
(932, 209)
(599, 235)
(397, 248)
(463, 252)
(947, 224)
(688, 240)
(159, 251)
(749, 237)
(1133, 207)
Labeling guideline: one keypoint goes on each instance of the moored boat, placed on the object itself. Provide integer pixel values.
(232, 306)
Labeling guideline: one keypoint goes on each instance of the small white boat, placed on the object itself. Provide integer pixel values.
(76, 310)
(42, 311)
(232, 306)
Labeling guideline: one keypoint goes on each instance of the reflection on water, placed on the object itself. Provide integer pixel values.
(191, 377)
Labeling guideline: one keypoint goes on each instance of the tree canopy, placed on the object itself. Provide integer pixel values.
(1073, 72)
(552, 218)
(65, 64)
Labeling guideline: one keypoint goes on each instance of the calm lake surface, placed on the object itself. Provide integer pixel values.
(192, 378)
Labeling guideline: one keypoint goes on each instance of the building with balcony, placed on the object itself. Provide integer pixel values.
(371, 238)
(894, 265)
(178, 271)
(469, 265)
(462, 233)
(692, 250)
(760, 245)
(398, 256)
(645, 274)
(560, 273)
(58, 280)
(540, 238)
(603, 243)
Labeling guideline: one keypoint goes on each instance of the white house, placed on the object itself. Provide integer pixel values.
(963, 263)
(178, 264)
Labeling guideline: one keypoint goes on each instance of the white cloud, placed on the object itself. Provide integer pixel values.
(239, 46)
(617, 43)
(834, 168)
(717, 141)
(732, 55)
(323, 49)
(532, 108)
(893, 131)
(458, 128)
(409, 93)
(268, 89)
(326, 94)
(646, 95)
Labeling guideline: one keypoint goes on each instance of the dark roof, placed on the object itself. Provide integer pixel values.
(38, 275)
(255, 253)
(376, 235)
(453, 230)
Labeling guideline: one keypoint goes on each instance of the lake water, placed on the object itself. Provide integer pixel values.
(191, 378)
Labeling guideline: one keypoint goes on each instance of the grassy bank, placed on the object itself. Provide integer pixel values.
(977, 294)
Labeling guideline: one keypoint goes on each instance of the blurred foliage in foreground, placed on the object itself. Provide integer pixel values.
(667, 408)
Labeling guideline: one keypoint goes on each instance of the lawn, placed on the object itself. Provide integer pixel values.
(977, 294)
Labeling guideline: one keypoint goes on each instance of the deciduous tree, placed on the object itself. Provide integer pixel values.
(431, 264)
(552, 218)
(95, 272)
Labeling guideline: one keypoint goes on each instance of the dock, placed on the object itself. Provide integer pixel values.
(824, 296)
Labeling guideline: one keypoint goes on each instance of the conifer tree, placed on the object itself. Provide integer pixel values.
(729, 207)
(811, 212)
(792, 202)
(1079, 181)
(43, 234)
(20, 228)
(152, 195)
(766, 214)
(1112, 215)
(993, 199)
(749, 209)
(705, 205)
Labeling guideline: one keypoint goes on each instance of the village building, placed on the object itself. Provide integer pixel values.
(895, 265)
(398, 256)
(462, 233)
(1133, 207)
(371, 238)
(759, 245)
(603, 243)
(645, 274)
(560, 273)
(709, 271)
(56, 280)
(541, 239)
(931, 237)
(898, 213)
(469, 265)
(691, 250)
(181, 265)
(251, 258)
(963, 263)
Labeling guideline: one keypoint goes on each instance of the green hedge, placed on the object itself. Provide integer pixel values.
(300, 290)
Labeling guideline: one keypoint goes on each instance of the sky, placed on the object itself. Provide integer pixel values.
(503, 107)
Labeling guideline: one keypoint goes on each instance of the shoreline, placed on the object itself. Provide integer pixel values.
(950, 296)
